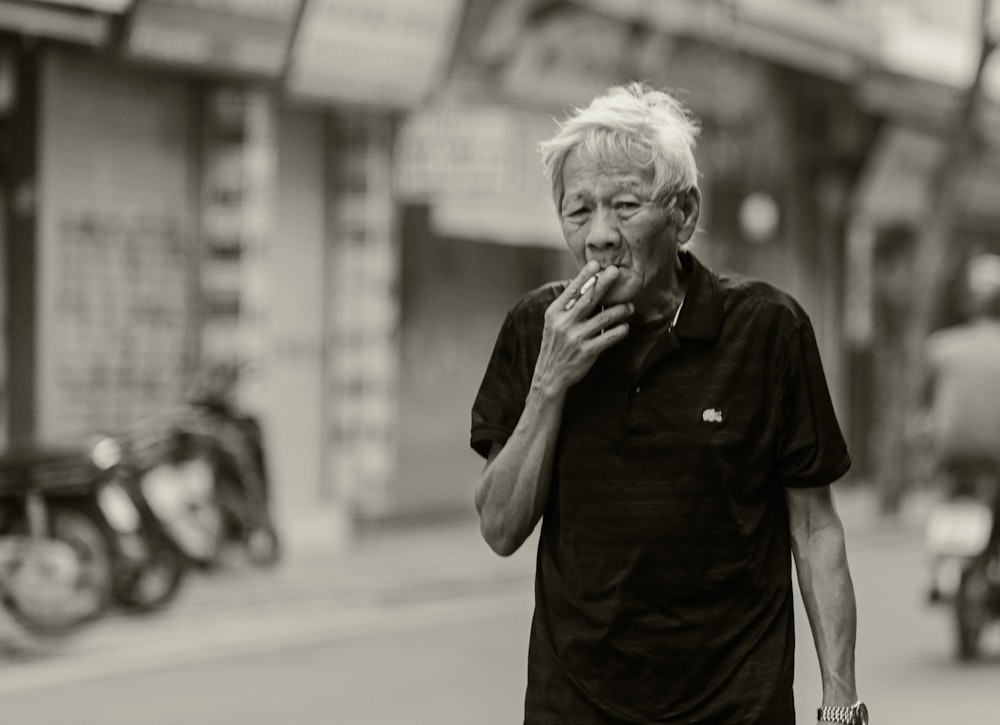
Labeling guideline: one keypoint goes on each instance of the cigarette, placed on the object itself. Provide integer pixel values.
(587, 286)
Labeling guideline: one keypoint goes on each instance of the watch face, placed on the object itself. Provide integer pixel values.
(861, 714)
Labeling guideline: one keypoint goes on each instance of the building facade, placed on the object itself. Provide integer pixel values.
(195, 182)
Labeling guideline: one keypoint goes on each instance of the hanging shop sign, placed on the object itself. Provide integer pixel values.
(454, 150)
(478, 169)
(248, 37)
(385, 53)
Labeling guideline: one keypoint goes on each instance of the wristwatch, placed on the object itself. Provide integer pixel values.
(856, 714)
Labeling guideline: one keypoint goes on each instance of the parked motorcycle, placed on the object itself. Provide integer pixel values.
(72, 541)
(203, 475)
(149, 572)
(963, 541)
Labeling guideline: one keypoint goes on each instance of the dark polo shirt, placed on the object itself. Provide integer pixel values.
(663, 580)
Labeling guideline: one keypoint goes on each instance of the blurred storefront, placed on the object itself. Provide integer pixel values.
(344, 196)
(193, 182)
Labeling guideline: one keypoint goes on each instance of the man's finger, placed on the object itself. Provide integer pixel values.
(581, 284)
(608, 337)
(587, 286)
(609, 318)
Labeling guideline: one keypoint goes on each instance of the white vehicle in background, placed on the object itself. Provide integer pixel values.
(962, 539)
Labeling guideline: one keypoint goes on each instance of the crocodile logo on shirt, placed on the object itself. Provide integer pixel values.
(711, 415)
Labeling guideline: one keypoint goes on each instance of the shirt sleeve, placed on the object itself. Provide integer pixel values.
(502, 393)
(811, 450)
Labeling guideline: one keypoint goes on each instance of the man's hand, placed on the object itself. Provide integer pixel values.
(574, 337)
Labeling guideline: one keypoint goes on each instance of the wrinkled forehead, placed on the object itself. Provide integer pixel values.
(589, 161)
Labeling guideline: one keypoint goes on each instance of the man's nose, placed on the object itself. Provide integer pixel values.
(603, 232)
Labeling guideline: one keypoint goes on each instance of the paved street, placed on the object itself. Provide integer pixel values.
(426, 626)
(905, 664)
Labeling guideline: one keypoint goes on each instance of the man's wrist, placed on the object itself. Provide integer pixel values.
(856, 714)
(546, 392)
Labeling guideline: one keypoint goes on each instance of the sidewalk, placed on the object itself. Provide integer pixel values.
(382, 580)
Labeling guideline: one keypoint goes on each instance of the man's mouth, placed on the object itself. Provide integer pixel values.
(610, 263)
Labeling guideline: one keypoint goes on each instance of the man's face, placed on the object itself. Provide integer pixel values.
(608, 214)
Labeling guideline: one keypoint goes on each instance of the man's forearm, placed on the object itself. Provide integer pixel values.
(828, 596)
(514, 486)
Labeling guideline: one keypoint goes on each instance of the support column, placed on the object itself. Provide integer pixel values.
(363, 313)
(21, 268)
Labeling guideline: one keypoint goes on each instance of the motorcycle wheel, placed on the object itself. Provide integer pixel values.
(971, 610)
(63, 581)
(153, 584)
(245, 524)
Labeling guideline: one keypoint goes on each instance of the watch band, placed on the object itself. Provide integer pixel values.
(855, 714)
(843, 715)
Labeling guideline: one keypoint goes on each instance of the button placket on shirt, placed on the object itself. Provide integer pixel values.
(631, 425)
(658, 356)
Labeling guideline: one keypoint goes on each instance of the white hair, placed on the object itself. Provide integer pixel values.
(634, 125)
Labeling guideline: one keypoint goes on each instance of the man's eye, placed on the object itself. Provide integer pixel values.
(576, 213)
(627, 206)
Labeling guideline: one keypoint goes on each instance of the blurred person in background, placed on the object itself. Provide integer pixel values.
(961, 418)
(963, 372)
(672, 430)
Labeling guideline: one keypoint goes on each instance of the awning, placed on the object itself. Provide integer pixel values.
(823, 38)
(233, 36)
(382, 53)
(88, 23)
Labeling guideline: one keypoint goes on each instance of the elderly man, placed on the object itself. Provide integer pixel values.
(672, 430)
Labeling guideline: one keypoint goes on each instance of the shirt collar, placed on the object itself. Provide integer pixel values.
(700, 315)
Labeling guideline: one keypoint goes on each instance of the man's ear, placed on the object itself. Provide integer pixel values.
(689, 206)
